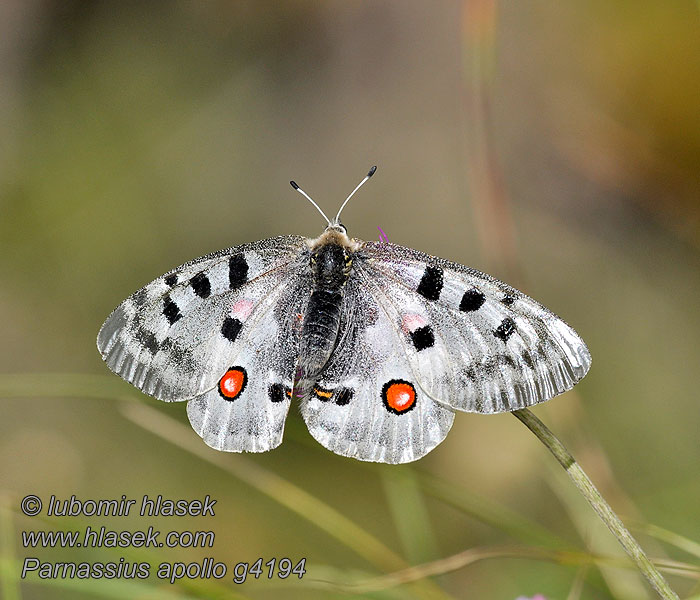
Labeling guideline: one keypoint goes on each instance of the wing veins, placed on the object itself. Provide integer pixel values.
(250, 326)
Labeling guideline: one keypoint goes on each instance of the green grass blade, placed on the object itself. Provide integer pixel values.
(489, 512)
(601, 507)
(405, 497)
(674, 539)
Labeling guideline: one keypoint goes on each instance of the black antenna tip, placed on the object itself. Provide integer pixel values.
(372, 171)
(294, 185)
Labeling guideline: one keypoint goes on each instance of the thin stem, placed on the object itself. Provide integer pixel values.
(591, 493)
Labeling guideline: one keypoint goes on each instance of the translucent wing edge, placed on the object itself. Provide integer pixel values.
(114, 351)
(573, 348)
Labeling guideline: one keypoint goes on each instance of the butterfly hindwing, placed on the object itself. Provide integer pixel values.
(246, 410)
(366, 403)
(174, 338)
(474, 343)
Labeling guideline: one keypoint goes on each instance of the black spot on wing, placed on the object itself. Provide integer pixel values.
(180, 355)
(137, 319)
(488, 368)
(237, 271)
(171, 279)
(423, 338)
(278, 392)
(340, 396)
(472, 300)
(431, 283)
(140, 298)
(201, 285)
(508, 360)
(527, 359)
(508, 300)
(505, 329)
(344, 396)
(148, 340)
(231, 328)
(171, 310)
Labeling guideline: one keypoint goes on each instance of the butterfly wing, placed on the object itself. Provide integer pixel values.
(175, 338)
(365, 403)
(247, 409)
(473, 343)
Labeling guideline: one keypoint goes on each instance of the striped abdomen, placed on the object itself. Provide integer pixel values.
(330, 264)
(319, 333)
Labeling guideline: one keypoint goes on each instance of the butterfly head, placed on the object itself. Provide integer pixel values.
(337, 228)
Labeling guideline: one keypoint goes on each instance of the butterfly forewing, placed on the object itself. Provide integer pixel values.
(474, 343)
(174, 337)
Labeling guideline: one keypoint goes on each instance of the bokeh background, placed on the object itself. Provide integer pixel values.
(554, 145)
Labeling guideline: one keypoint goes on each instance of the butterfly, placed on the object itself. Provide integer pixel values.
(378, 343)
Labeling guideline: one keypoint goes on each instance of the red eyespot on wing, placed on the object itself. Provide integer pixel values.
(233, 383)
(399, 396)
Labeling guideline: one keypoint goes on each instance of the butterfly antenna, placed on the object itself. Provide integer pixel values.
(303, 193)
(359, 185)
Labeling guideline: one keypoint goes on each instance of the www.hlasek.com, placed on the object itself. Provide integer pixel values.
(94, 536)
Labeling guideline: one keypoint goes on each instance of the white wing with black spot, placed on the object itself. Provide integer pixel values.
(472, 342)
(174, 338)
(366, 403)
(246, 411)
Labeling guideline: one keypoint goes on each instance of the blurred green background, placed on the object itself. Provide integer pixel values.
(554, 145)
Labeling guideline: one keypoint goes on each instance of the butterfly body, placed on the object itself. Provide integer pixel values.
(378, 344)
(331, 265)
